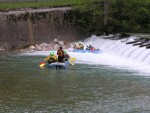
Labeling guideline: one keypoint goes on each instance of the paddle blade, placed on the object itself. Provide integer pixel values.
(71, 62)
(42, 64)
(72, 59)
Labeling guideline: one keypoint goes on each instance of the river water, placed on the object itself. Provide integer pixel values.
(99, 83)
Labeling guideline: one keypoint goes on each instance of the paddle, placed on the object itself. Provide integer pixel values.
(42, 64)
(72, 60)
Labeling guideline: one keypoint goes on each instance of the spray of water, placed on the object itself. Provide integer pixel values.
(115, 53)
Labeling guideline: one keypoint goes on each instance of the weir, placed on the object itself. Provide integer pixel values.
(114, 53)
(120, 48)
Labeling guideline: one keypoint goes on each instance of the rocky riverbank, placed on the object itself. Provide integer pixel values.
(54, 45)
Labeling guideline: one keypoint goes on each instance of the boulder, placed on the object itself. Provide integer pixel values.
(2, 49)
(36, 45)
(50, 46)
(55, 40)
(32, 48)
(43, 45)
(38, 48)
(61, 43)
(56, 46)
(68, 45)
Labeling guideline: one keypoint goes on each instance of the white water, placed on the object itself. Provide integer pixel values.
(115, 53)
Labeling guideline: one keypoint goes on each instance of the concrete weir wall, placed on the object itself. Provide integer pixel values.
(24, 27)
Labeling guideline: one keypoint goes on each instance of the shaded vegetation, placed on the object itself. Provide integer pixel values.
(130, 15)
(123, 16)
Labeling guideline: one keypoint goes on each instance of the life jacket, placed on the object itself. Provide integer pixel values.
(92, 49)
(47, 58)
(53, 58)
(66, 56)
(60, 52)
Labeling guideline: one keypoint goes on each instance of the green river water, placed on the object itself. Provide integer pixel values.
(83, 88)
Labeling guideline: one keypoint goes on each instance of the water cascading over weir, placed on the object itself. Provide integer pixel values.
(133, 47)
(30, 26)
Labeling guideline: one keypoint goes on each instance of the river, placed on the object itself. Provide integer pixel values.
(97, 83)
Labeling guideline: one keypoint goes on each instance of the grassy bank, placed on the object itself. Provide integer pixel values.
(39, 4)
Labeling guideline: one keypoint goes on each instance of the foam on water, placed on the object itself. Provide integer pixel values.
(115, 53)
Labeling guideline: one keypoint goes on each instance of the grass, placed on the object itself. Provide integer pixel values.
(39, 4)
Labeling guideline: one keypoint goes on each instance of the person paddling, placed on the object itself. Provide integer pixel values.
(60, 54)
(51, 58)
(66, 56)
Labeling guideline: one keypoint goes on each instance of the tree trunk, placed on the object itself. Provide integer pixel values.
(106, 5)
(31, 39)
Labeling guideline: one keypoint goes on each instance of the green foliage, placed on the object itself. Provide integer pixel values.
(123, 16)
(38, 4)
(88, 15)
(132, 15)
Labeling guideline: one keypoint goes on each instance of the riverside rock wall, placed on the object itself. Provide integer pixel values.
(45, 26)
